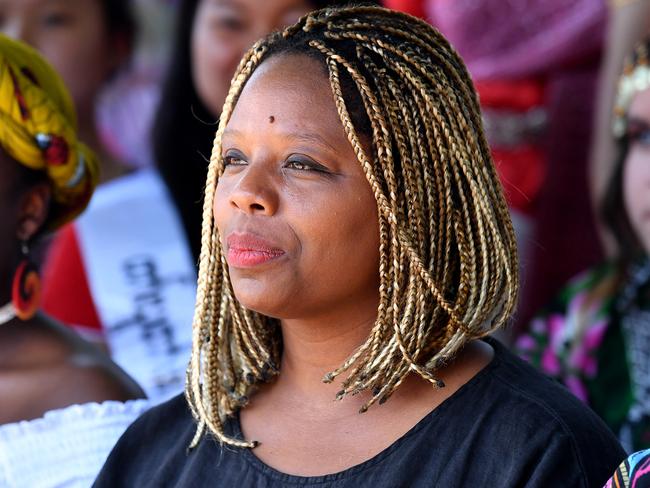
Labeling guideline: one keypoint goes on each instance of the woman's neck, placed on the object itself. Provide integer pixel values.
(313, 349)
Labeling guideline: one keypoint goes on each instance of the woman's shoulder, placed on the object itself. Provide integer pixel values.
(538, 412)
(82, 371)
(539, 396)
(51, 367)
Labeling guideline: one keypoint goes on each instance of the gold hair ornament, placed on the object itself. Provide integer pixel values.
(635, 79)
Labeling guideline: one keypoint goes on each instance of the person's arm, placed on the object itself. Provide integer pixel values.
(629, 22)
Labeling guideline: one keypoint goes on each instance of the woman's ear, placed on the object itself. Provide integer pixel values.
(33, 211)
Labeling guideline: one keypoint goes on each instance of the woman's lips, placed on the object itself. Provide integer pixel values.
(248, 250)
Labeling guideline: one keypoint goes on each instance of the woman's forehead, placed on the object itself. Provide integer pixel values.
(290, 91)
(298, 72)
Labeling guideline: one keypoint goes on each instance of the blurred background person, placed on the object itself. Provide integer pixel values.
(126, 106)
(127, 268)
(595, 338)
(627, 24)
(53, 431)
(87, 42)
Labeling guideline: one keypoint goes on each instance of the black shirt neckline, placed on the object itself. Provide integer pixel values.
(457, 396)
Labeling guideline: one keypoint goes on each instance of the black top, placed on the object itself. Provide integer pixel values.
(509, 426)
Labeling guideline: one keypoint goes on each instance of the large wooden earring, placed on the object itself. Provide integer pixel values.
(26, 289)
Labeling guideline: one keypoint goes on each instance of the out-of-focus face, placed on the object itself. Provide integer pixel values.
(296, 216)
(224, 30)
(73, 37)
(636, 172)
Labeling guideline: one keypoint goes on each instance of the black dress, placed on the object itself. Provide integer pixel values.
(509, 426)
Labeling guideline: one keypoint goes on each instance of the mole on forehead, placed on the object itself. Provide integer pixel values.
(271, 119)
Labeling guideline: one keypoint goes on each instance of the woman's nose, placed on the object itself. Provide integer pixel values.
(255, 192)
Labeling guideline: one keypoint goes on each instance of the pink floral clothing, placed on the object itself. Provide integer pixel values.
(592, 339)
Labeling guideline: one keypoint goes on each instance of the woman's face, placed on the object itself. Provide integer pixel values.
(224, 30)
(636, 172)
(73, 37)
(296, 216)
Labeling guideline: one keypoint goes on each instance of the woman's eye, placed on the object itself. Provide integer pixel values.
(56, 19)
(223, 22)
(233, 160)
(229, 23)
(305, 165)
(299, 165)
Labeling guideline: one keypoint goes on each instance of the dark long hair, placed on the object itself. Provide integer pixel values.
(184, 128)
(612, 207)
(119, 17)
(613, 210)
(120, 21)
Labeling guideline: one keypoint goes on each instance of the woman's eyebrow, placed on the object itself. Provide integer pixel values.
(311, 138)
(228, 132)
(301, 137)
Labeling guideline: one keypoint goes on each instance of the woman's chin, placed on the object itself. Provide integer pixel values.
(262, 303)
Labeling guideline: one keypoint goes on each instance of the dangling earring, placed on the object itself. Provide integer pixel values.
(26, 289)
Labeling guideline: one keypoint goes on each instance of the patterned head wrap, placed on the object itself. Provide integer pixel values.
(38, 128)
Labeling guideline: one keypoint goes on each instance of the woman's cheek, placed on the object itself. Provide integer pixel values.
(220, 204)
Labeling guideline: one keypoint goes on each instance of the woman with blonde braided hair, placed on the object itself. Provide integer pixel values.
(357, 247)
(52, 430)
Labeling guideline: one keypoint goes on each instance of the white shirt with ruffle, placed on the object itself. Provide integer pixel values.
(64, 448)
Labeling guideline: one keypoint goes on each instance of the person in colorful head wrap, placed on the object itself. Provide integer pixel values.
(38, 129)
(46, 179)
(38, 133)
(89, 43)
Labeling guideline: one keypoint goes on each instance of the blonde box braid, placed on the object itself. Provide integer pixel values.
(448, 262)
